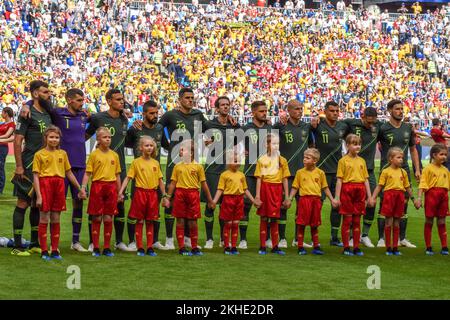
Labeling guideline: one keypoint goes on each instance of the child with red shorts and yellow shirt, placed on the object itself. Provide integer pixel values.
(394, 181)
(50, 167)
(187, 177)
(435, 183)
(271, 174)
(352, 191)
(104, 168)
(309, 183)
(231, 187)
(145, 204)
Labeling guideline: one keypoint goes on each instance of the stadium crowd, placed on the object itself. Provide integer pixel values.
(355, 57)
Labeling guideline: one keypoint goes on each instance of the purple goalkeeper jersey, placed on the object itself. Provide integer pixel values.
(72, 141)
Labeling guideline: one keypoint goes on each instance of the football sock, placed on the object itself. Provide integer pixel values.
(234, 234)
(345, 232)
(262, 232)
(315, 236)
(335, 219)
(443, 234)
(149, 228)
(119, 222)
(209, 223)
(193, 230)
(18, 222)
(131, 226)
(169, 222)
(186, 229)
(282, 224)
(403, 224)
(180, 234)
(34, 223)
(388, 236)
(90, 229)
(243, 224)
(77, 218)
(395, 237)
(300, 235)
(43, 236)
(381, 223)
(107, 232)
(221, 224)
(139, 226)
(156, 225)
(356, 222)
(96, 233)
(55, 230)
(427, 233)
(367, 221)
(226, 234)
(274, 233)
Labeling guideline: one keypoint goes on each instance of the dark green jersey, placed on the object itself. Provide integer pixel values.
(328, 140)
(134, 135)
(294, 141)
(32, 129)
(118, 128)
(253, 142)
(402, 137)
(180, 123)
(216, 163)
(369, 138)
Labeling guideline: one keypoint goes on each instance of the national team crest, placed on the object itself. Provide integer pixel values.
(112, 162)
(60, 160)
(154, 169)
(316, 180)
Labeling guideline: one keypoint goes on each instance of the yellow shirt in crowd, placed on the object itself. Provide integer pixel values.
(146, 172)
(188, 175)
(51, 163)
(434, 177)
(272, 170)
(104, 166)
(394, 179)
(232, 183)
(310, 182)
(352, 169)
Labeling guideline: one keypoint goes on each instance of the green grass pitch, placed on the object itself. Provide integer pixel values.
(216, 276)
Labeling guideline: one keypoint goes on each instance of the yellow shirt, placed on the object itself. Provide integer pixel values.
(394, 179)
(310, 182)
(232, 183)
(104, 166)
(272, 170)
(352, 170)
(188, 175)
(434, 177)
(51, 163)
(146, 172)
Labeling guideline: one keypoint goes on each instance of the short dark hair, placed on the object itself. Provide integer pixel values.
(331, 103)
(183, 91)
(9, 111)
(370, 112)
(256, 104)
(149, 104)
(216, 103)
(36, 84)
(71, 93)
(392, 103)
(111, 92)
(436, 122)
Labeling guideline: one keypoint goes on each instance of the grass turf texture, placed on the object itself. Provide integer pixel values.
(216, 276)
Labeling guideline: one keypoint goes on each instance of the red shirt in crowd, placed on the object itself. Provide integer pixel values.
(4, 128)
(437, 136)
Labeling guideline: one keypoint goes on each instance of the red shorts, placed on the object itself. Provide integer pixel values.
(436, 203)
(53, 194)
(145, 204)
(271, 198)
(103, 198)
(232, 207)
(393, 203)
(353, 199)
(309, 211)
(186, 204)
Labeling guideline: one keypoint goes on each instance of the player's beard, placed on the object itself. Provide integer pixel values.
(153, 121)
(46, 104)
(398, 118)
